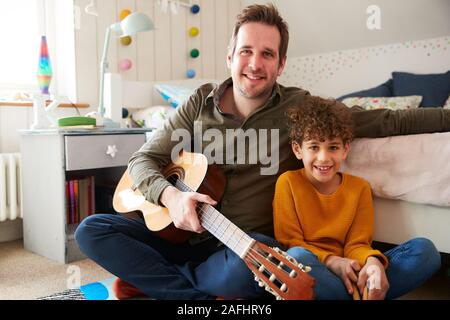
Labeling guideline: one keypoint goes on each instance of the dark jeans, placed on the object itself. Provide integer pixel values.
(410, 265)
(162, 270)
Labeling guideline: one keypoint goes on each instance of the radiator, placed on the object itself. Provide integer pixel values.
(10, 188)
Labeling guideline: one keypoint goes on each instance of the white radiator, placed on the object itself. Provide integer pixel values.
(10, 188)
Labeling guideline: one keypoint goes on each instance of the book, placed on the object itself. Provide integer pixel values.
(72, 203)
(67, 203)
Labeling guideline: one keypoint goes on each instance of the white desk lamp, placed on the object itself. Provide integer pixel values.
(132, 24)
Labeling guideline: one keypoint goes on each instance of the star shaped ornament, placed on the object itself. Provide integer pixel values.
(112, 150)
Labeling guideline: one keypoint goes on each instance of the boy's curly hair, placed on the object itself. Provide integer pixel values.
(320, 119)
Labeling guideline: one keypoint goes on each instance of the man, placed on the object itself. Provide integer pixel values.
(253, 102)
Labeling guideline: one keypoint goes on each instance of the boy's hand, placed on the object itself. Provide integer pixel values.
(374, 277)
(346, 269)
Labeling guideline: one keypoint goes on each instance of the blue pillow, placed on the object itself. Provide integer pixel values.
(434, 88)
(383, 90)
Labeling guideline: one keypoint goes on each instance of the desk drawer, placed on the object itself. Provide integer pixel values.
(101, 151)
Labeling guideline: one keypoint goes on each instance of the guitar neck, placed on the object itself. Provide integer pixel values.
(224, 230)
(220, 227)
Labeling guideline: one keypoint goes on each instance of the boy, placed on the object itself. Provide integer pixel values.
(326, 217)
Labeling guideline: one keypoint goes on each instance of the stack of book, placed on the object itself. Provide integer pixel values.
(80, 199)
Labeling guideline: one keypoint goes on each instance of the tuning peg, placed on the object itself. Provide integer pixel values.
(293, 274)
(307, 268)
(269, 289)
(272, 278)
(283, 287)
(256, 279)
(280, 265)
(279, 298)
(261, 283)
(277, 249)
(261, 268)
(290, 259)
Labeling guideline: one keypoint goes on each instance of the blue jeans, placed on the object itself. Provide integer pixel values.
(410, 265)
(162, 270)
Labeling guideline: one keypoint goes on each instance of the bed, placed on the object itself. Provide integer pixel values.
(410, 180)
(409, 175)
(411, 186)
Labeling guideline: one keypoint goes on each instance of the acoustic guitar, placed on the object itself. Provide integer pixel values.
(279, 273)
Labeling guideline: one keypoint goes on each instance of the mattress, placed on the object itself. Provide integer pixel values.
(414, 168)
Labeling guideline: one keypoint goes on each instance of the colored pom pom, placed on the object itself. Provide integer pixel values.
(124, 13)
(195, 53)
(195, 9)
(125, 64)
(125, 113)
(126, 41)
(190, 73)
(194, 31)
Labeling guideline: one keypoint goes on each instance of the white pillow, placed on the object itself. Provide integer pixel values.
(393, 103)
(153, 117)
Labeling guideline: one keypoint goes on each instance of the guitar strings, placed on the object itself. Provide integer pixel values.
(209, 224)
(237, 242)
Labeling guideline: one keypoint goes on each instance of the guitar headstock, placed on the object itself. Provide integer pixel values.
(279, 273)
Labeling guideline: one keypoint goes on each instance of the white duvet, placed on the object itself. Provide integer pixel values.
(414, 168)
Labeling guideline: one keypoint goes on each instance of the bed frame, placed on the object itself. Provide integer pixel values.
(397, 221)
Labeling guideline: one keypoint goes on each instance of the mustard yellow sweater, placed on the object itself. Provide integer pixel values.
(339, 224)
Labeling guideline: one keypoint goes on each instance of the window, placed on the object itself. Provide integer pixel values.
(22, 24)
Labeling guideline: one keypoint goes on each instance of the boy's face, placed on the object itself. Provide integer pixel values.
(256, 64)
(322, 159)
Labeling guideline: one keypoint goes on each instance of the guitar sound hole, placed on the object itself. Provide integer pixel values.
(173, 179)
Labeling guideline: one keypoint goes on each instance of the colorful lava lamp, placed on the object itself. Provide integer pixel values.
(44, 74)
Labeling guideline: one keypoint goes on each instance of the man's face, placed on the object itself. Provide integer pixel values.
(256, 64)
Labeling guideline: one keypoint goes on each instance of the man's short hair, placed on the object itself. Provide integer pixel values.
(320, 119)
(266, 14)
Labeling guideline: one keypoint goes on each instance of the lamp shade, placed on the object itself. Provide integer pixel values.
(134, 23)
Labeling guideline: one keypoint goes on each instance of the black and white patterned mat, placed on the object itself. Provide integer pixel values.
(73, 294)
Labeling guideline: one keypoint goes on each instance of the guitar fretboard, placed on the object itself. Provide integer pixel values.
(219, 226)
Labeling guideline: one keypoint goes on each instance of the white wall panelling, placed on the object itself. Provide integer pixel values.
(221, 36)
(129, 51)
(146, 45)
(207, 33)
(158, 55)
(86, 59)
(179, 43)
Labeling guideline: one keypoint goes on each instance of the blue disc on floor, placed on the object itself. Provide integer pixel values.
(95, 291)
